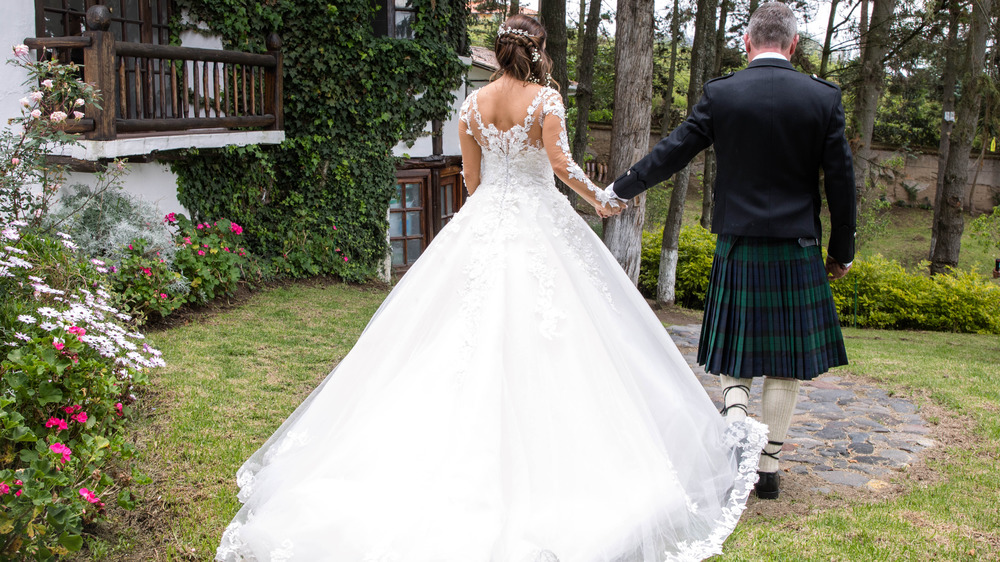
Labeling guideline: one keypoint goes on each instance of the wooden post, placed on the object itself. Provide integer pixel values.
(99, 70)
(273, 83)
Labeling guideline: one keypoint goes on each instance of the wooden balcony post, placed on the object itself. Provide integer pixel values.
(273, 103)
(99, 70)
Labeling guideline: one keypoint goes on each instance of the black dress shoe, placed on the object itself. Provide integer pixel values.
(767, 485)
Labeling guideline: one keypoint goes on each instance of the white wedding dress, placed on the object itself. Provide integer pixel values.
(514, 399)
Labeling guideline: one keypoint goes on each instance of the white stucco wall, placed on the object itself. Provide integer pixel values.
(153, 182)
(18, 22)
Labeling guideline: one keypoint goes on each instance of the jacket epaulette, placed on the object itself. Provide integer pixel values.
(818, 79)
(723, 77)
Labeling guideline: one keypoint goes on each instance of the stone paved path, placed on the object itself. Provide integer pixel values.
(844, 432)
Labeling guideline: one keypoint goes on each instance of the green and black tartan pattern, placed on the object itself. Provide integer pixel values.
(769, 311)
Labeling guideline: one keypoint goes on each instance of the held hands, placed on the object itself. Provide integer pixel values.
(609, 209)
(834, 269)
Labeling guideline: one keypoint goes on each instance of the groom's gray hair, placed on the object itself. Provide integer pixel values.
(772, 25)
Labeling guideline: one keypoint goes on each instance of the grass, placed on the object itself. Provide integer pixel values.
(233, 376)
(952, 516)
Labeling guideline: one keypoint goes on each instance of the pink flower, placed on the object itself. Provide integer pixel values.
(17, 494)
(335, 228)
(56, 422)
(147, 271)
(171, 218)
(57, 116)
(58, 345)
(47, 83)
(77, 115)
(235, 228)
(60, 449)
(15, 160)
(77, 330)
(4, 488)
(36, 113)
(89, 496)
(78, 102)
(25, 102)
(200, 226)
(201, 252)
(118, 407)
(81, 417)
(73, 408)
(20, 50)
(163, 295)
(130, 247)
(204, 245)
(337, 250)
(36, 96)
(345, 258)
(226, 248)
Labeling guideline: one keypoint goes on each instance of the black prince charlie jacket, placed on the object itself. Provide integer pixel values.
(773, 129)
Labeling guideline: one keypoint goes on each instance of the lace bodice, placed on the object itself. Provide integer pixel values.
(527, 153)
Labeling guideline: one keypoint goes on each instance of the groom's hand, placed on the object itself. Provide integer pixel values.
(835, 269)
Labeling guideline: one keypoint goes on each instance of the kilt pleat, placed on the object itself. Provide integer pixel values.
(769, 311)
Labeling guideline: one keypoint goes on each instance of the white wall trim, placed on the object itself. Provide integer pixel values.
(92, 150)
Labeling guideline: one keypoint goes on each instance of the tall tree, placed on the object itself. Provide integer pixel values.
(630, 124)
(713, 70)
(515, 8)
(949, 79)
(552, 14)
(828, 41)
(948, 217)
(667, 279)
(668, 91)
(875, 45)
(585, 82)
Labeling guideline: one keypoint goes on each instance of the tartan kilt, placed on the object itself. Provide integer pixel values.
(769, 311)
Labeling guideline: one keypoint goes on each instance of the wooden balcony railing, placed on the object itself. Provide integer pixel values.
(153, 88)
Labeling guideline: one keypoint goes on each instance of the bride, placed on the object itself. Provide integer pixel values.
(545, 417)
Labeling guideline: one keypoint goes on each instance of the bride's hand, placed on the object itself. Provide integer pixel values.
(606, 210)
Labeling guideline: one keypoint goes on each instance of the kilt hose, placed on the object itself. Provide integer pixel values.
(769, 311)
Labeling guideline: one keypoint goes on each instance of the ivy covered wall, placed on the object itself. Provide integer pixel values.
(349, 97)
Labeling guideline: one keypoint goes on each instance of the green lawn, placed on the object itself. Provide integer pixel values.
(234, 375)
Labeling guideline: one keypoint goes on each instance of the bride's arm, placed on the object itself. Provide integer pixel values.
(472, 154)
(556, 143)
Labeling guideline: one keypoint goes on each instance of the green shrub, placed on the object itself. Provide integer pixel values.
(889, 297)
(144, 282)
(696, 246)
(210, 256)
(69, 363)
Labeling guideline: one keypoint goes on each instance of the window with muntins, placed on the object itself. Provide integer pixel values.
(394, 18)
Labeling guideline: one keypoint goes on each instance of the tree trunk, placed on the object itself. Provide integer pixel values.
(553, 16)
(875, 46)
(753, 7)
(708, 177)
(827, 43)
(668, 94)
(666, 281)
(585, 84)
(948, 217)
(631, 123)
(515, 8)
(950, 80)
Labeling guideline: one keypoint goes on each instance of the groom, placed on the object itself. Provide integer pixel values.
(769, 311)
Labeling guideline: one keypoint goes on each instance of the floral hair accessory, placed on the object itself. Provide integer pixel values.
(535, 57)
(504, 30)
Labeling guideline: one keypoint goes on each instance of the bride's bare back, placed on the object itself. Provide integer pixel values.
(519, 115)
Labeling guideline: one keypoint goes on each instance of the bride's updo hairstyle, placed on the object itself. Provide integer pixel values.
(520, 50)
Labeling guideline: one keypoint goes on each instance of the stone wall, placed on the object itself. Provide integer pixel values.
(915, 183)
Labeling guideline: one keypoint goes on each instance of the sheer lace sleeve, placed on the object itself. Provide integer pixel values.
(557, 147)
(472, 154)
